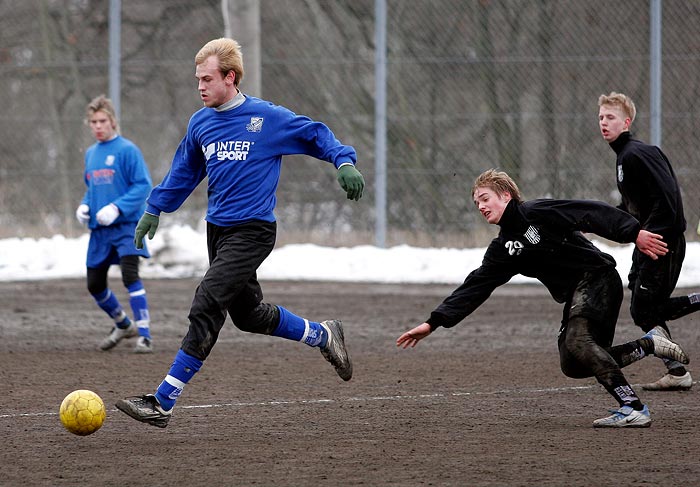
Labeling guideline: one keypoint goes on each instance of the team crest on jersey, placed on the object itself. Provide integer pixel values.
(255, 124)
(620, 174)
(532, 235)
(109, 161)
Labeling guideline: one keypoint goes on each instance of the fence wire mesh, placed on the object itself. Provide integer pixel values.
(471, 84)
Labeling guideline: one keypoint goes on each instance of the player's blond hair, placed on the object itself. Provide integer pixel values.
(102, 104)
(499, 182)
(621, 101)
(228, 52)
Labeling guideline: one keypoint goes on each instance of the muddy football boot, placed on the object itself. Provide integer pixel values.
(145, 409)
(665, 348)
(625, 417)
(335, 351)
(117, 335)
(143, 345)
(671, 383)
(668, 382)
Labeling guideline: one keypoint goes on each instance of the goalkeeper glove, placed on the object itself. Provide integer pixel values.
(107, 214)
(148, 224)
(351, 181)
(83, 214)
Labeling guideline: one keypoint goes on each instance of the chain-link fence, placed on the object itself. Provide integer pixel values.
(471, 84)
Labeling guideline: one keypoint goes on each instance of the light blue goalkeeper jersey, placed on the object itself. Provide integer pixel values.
(115, 172)
(240, 152)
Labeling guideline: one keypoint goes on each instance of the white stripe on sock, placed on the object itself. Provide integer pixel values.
(307, 328)
(140, 292)
(175, 382)
(109, 295)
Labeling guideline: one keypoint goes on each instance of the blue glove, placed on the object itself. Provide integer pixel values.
(351, 181)
(148, 224)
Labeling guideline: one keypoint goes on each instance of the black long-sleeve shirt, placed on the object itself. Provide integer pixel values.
(540, 239)
(648, 186)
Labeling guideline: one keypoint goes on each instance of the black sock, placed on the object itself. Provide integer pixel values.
(646, 344)
(681, 306)
(636, 405)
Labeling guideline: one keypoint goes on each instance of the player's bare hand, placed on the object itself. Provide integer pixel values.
(651, 244)
(412, 337)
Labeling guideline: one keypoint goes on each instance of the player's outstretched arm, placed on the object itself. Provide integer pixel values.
(412, 337)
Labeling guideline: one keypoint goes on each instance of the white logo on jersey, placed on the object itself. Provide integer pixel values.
(620, 175)
(109, 161)
(232, 150)
(255, 124)
(532, 235)
(514, 247)
(209, 150)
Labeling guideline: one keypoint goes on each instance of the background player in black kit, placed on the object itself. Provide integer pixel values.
(651, 194)
(542, 239)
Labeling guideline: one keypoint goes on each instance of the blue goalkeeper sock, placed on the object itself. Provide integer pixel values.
(110, 305)
(139, 306)
(293, 327)
(181, 371)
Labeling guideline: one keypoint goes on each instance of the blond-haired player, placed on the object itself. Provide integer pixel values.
(651, 194)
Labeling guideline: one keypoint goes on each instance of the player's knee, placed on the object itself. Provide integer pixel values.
(95, 290)
(130, 270)
(96, 285)
(262, 319)
(573, 348)
(571, 371)
(572, 365)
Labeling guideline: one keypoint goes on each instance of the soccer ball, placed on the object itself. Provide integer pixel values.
(82, 412)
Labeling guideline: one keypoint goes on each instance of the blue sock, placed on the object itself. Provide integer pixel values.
(181, 371)
(293, 327)
(110, 305)
(139, 306)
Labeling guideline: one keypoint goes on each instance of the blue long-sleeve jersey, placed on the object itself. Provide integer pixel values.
(116, 172)
(240, 151)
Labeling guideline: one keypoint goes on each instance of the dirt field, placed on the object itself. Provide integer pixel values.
(483, 404)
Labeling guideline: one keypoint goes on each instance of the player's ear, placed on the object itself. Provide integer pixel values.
(230, 77)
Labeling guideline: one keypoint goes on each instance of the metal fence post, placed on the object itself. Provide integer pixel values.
(655, 67)
(115, 27)
(380, 122)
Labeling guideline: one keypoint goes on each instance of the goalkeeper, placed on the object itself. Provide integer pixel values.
(118, 183)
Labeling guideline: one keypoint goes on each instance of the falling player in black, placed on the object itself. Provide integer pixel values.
(543, 239)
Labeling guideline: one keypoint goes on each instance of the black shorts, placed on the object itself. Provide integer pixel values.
(230, 284)
(653, 281)
(597, 298)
